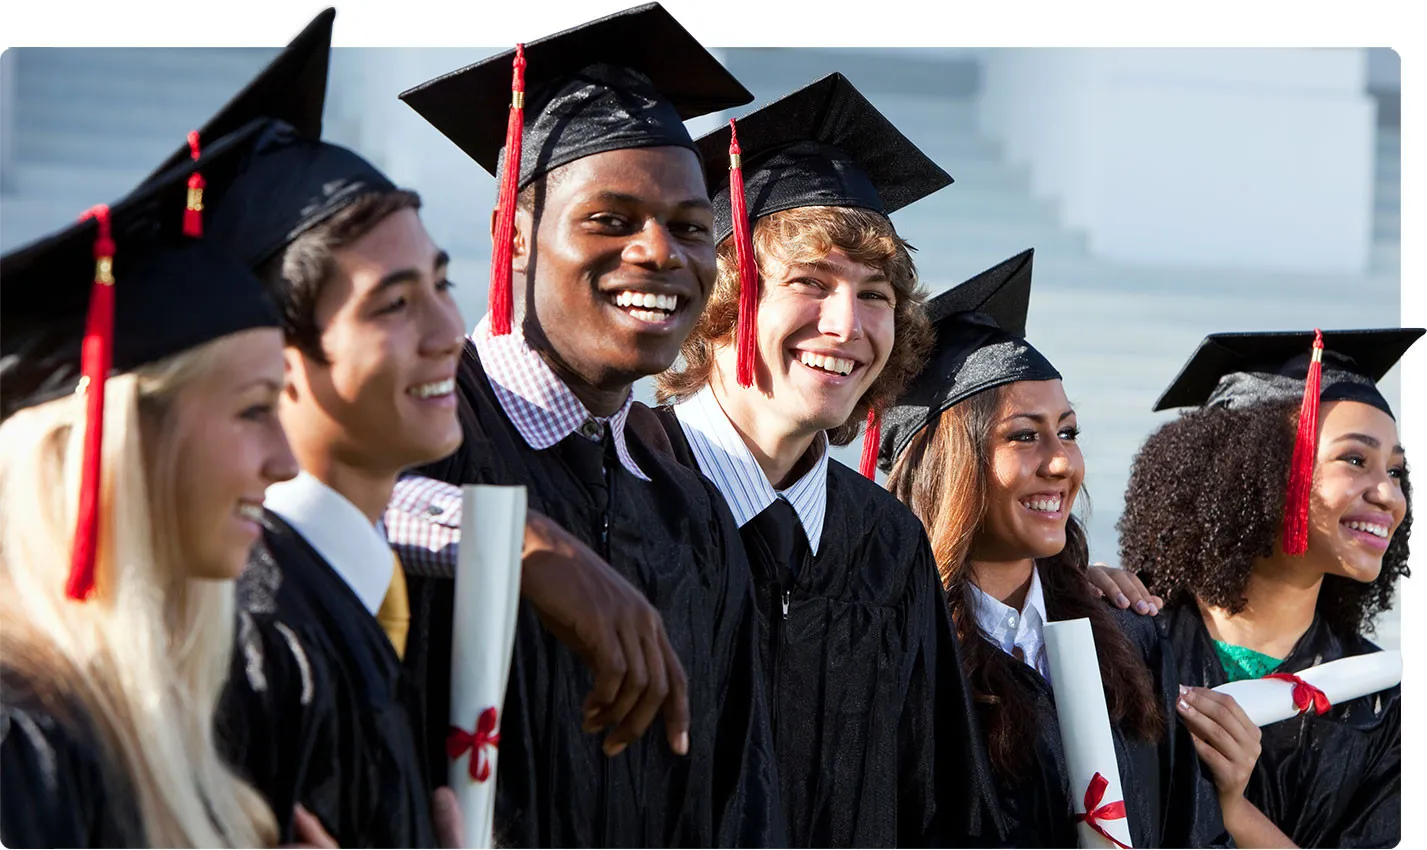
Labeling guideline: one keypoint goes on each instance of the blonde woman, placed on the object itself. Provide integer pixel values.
(121, 532)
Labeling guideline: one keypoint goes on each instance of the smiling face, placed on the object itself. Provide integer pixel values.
(825, 330)
(391, 335)
(1035, 472)
(222, 446)
(1357, 502)
(622, 262)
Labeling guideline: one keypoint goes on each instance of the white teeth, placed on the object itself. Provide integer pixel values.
(437, 388)
(1045, 505)
(646, 300)
(839, 365)
(1372, 528)
(247, 510)
(657, 316)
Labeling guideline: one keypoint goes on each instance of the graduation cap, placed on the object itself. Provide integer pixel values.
(1239, 370)
(627, 80)
(121, 288)
(980, 343)
(824, 145)
(291, 181)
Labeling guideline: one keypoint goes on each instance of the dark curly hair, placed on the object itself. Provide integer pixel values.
(1205, 500)
(807, 234)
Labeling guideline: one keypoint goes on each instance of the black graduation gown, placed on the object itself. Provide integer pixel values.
(674, 539)
(860, 703)
(58, 787)
(315, 709)
(1170, 799)
(1326, 781)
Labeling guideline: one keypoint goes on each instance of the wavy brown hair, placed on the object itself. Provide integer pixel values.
(943, 477)
(806, 235)
(1205, 501)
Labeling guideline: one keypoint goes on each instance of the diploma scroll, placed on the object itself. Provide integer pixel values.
(1270, 700)
(487, 596)
(1095, 786)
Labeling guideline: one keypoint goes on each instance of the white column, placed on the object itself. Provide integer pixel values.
(1243, 158)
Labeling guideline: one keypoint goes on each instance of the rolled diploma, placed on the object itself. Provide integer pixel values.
(1084, 723)
(487, 594)
(1268, 701)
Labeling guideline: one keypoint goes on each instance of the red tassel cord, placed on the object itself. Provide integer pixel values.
(193, 213)
(1095, 812)
(499, 299)
(1306, 697)
(746, 331)
(95, 358)
(459, 742)
(1305, 451)
(871, 442)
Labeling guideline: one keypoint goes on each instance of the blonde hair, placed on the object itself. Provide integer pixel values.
(147, 655)
(807, 235)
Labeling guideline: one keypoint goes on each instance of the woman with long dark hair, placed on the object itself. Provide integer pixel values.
(1261, 580)
(983, 449)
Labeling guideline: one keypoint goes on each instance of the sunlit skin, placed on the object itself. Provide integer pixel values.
(1358, 477)
(835, 308)
(391, 333)
(1034, 476)
(229, 448)
(633, 220)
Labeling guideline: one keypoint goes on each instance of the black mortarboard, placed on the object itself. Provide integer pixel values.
(980, 344)
(1236, 370)
(628, 80)
(823, 145)
(290, 181)
(1239, 370)
(292, 88)
(122, 288)
(171, 293)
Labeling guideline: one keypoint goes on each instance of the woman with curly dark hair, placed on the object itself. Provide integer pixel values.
(983, 449)
(872, 722)
(1212, 524)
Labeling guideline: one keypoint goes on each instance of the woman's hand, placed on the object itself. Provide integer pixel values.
(309, 831)
(1122, 588)
(1227, 740)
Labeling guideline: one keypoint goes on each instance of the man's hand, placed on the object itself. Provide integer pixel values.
(1122, 588)
(609, 624)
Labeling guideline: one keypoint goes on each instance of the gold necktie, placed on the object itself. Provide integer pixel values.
(395, 612)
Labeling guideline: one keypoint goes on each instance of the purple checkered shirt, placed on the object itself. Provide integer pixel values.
(423, 520)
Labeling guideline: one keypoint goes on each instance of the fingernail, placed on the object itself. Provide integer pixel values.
(1184, 706)
(681, 744)
(1183, 689)
(613, 750)
(1121, 600)
(1142, 607)
(1154, 609)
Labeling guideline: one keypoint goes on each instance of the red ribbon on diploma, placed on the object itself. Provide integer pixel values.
(459, 741)
(1095, 812)
(1305, 696)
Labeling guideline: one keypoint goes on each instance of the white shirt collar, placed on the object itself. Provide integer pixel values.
(727, 461)
(1009, 628)
(350, 543)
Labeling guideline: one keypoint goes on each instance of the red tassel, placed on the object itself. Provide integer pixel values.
(500, 298)
(95, 360)
(193, 214)
(1305, 451)
(746, 331)
(871, 441)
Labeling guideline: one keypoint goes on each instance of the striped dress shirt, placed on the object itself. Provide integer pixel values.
(728, 463)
